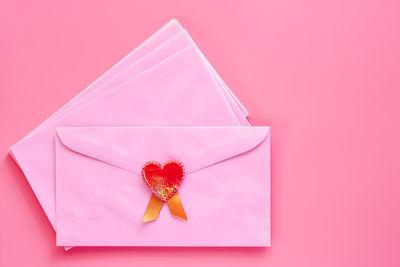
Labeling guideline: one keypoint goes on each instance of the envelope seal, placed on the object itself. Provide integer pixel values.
(163, 180)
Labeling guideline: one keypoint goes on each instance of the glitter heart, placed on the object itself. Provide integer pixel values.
(163, 179)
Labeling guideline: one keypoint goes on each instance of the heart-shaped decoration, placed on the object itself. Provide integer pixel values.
(163, 179)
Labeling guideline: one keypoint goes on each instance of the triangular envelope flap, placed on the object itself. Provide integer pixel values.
(130, 148)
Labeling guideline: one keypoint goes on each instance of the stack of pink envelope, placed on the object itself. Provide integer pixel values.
(162, 102)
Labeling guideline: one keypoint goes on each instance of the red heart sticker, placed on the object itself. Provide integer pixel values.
(163, 179)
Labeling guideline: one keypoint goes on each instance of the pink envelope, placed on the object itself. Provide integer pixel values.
(101, 196)
(168, 40)
(179, 91)
(175, 44)
(165, 33)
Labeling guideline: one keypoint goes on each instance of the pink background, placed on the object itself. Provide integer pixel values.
(325, 75)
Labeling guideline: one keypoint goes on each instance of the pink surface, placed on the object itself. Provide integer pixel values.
(225, 192)
(323, 74)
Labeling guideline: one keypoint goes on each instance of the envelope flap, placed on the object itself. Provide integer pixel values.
(130, 148)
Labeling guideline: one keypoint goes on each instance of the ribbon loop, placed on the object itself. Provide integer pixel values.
(155, 205)
(153, 209)
(176, 208)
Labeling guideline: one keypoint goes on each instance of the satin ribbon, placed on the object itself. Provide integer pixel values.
(155, 205)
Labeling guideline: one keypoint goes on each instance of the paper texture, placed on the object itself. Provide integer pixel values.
(225, 192)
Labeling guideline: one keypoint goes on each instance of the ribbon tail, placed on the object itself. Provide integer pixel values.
(153, 209)
(176, 208)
